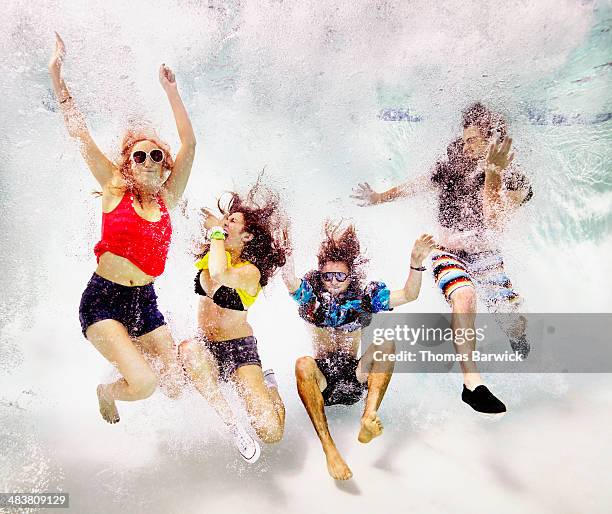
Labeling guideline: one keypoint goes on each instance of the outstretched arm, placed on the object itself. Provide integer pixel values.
(175, 185)
(101, 167)
(365, 195)
(410, 292)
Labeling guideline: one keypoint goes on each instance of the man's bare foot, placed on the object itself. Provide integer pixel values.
(108, 409)
(336, 466)
(371, 427)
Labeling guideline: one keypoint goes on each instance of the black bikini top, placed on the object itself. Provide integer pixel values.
(225, 297)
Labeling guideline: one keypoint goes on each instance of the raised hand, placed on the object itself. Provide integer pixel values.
(167, 78)
(422, 248)
(183, 205)
(366, 195)
(284, 238)
(57, 57)
(210, 220)
(288, 269)
(499, 155)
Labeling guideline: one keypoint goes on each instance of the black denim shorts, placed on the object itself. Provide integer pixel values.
(134, 307)
(234, 353)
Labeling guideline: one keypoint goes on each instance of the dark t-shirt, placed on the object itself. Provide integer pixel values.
(460, 185)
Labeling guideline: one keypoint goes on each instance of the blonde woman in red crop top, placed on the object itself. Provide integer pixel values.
(118, 311)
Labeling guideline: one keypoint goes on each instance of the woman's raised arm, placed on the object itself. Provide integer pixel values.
(175, 185)
(101, 167)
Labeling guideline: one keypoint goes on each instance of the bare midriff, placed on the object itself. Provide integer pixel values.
(330, 340)
(220, 324)
(121, 271)
(471, 241)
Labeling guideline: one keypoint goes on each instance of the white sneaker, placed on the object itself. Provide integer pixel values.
(247, 446)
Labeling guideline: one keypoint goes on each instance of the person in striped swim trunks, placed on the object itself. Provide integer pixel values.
(478, 191)
(483, 270)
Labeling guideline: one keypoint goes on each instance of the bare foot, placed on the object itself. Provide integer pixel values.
(371, 427)
(336, 466)
(108, 409)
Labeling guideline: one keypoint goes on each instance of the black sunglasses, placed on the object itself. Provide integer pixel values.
(328, 276)
(140, 156)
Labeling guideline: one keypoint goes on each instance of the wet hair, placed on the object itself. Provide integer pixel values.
(260, 209)
(125, 161)
(130, 140)
(336, 247)
(486, 120)
(342, 247)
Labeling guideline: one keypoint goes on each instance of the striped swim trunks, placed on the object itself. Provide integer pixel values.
(483, 271)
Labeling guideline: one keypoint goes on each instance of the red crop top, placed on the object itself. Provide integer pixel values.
(144, 243)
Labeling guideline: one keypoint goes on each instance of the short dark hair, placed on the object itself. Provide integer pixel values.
(486, 120)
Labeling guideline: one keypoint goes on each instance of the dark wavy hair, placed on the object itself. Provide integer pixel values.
(486, 120)
(260, 209)
(342, 247)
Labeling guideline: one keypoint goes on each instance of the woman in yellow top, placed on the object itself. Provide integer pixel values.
(240, 257)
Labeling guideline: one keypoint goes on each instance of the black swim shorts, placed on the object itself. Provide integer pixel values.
(135, 307)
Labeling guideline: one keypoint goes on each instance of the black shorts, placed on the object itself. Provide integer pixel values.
(234, 353)
(340, 372)
(134, 307)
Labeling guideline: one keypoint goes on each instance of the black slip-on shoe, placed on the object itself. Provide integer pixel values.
(483, 400)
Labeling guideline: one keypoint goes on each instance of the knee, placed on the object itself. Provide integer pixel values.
(305, 368)
(388, 347)
(269, 435)
(144, 386)
(187, 351)
(463, 300)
